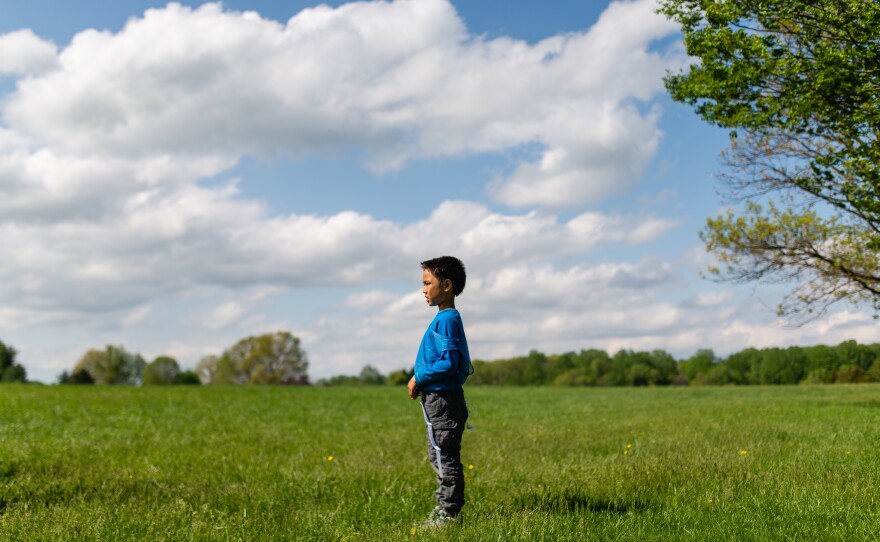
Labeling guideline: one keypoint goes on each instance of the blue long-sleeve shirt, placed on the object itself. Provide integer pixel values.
(443, 362)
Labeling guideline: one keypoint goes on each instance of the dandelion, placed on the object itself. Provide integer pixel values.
(329, 458)
(710, 500)
(629, 445)
(625, 452)
(412, 531)
(743, 452)
(470, 467)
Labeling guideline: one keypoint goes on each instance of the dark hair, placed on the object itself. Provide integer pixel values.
(448, 267)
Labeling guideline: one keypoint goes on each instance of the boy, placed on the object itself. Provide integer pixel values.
(442, 365)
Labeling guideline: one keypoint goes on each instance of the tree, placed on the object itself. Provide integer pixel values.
(849, 373)
(854, 353)
(273, 358)
(533, 369)
(15, 373)
(80, 376)
(822, 364)
(10, 371)
(700, 363)
(206, 369)
(640, 374)
(873, 373)
(797, 83)
(371, 376)
(188, 378)
(719, 375)
(744, 365)
(780, 366)
(163, 370)
(112, 365)
(665, 367)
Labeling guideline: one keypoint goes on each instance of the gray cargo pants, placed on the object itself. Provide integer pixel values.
(445, 415)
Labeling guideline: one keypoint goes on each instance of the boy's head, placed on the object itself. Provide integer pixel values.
(447, 268)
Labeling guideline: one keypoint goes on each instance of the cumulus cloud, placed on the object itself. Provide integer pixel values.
(48, 186)
(23, 53)
(607, 156)
(164, 242)
(402, 80)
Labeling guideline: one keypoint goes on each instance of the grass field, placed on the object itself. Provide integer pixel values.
(251, 463)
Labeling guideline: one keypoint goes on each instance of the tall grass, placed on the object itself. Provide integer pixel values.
(252, 463)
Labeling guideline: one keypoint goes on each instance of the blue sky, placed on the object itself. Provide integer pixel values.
(176, 177)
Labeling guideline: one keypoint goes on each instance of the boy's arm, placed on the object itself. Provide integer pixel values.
(440, 369)
(447, 336)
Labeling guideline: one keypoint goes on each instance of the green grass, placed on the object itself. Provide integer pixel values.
(250, 463)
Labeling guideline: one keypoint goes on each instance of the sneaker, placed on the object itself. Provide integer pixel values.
(438, 518)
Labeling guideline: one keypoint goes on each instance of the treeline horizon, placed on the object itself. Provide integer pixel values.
(848, 362)
(277, 358)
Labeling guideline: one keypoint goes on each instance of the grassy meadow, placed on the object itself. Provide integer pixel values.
(253, 463)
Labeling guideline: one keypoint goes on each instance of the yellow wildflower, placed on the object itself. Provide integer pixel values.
(329, 458)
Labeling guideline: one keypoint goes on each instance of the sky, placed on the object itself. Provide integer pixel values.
(176, 177)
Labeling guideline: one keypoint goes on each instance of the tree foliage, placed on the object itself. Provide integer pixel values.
(10, 371)
(112, 365)
(78, 376)
(273, 358)
(369, 376)
(161, 371)
(848, 362)
(797, 82)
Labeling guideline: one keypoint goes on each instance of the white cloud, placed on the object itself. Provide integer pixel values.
(224, 315)
(165, 241)
(46, 186)
(22, 53)
(401, 79)
(606, 156)
(708, 300)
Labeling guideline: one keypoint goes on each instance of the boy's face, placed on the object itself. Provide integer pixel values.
(436, 293)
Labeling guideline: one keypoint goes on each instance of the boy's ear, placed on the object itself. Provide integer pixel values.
(446, 284)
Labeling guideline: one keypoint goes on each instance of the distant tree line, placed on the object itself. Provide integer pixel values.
(369, 376)
(273, 358)
(848, 362)
(114, 365)
(278, 358)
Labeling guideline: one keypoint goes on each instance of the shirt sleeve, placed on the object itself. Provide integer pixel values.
(446, 339)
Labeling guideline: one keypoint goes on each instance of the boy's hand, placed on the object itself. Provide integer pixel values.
(413, 390)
